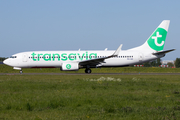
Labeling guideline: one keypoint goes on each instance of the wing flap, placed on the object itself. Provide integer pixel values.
(100, 60)
(92, 61)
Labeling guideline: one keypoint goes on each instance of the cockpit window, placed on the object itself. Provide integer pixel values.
(13, 57)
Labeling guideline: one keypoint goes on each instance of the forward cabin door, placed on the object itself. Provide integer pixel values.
(24, 58)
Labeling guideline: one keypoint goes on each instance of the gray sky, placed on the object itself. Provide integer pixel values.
(89, 25)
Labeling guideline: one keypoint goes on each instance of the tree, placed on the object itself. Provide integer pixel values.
(177, 63)
(158, 62)
(2, 58)
(170, 64)
(154, 63)
(146, 64)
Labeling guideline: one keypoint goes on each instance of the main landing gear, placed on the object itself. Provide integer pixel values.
(87, 70)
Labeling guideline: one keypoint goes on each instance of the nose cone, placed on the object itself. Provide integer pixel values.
(4, 62)
(7, 62)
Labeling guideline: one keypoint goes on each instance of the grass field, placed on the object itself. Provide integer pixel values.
(79, 97)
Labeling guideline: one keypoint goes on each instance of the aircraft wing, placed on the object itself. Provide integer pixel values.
(100, 60)
(163, 52)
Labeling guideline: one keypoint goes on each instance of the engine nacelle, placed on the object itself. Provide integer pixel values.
(70, 66)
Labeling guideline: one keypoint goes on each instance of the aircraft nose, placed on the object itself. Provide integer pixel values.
(6, 61)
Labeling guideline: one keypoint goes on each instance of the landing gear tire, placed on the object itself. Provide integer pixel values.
(20, 71)
(88, 71)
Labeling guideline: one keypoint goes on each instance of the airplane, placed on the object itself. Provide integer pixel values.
(75, 60)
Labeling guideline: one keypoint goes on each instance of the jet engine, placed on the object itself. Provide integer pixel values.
(70, 66)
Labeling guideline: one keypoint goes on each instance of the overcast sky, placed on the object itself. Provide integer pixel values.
(27, 25)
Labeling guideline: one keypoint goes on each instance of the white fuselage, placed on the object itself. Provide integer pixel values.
(54, 59)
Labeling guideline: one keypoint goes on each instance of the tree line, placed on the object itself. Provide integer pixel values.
(2, 59)
(157, 62)
(154, 63)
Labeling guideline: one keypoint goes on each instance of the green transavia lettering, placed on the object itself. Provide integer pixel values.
(63, 56)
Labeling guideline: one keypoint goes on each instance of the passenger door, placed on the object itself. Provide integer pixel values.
(24, 57)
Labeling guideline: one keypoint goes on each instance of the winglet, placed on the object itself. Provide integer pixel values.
(116, 53)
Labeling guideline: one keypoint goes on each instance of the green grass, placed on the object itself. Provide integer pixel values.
(7, 69)
(79, 97)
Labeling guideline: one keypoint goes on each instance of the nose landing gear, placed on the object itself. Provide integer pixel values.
(20, 71)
